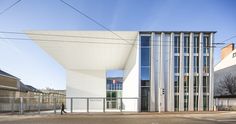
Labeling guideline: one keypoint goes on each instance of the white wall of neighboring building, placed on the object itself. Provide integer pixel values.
(223, 68)
(226, 62)
(131, 81)
(225, 103)
(87, 83)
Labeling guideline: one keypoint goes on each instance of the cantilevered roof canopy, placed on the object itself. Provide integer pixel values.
(87, 50)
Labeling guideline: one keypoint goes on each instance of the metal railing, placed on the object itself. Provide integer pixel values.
(39, 105)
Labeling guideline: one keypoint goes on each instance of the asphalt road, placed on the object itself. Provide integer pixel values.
(149, 118)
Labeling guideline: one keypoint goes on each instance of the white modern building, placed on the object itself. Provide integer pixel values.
(163, 70)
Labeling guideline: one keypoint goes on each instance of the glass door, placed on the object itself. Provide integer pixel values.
(145, 93)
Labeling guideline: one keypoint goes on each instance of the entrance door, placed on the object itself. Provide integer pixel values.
(145, 93)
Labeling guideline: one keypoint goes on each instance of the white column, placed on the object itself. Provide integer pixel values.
(181, 75)
(200, 93)
(161, 74)
(211, 85)
(171, 75)
(191, 73)
(152, 80)
(157, 68)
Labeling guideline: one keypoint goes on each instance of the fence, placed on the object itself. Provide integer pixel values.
(38, 105)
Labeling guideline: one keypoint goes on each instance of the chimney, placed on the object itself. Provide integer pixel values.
(227, 50)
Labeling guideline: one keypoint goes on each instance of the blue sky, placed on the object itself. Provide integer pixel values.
(33, 66)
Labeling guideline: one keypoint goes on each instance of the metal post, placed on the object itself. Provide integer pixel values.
(54, 106)
(87, 104)
(159, 100)
(39, 104)
(138, 110)
(121, 105)
(71, 105)
(21, 105)
(104, 107)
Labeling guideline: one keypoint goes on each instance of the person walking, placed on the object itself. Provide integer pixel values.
(63, 109)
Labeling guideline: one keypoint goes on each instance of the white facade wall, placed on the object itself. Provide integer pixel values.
(131, 81)
(87, 83)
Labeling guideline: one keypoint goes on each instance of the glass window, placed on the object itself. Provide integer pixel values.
(145, 83)
(145, 41)
(176, 64)
(186, 84)
(196, 44)
(177, 44)
(206, 44)
(176, 84)
(205, 84)
(145, 73)
(195, 64)
(196, 84)
(176, 100)
(145, 56)
(195, 102)
(186, 99)
(205, 103)
(186, 44)
(206, 63)
(186, 64)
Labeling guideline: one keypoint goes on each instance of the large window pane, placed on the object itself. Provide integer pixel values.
(176, 84)
(145, 73)
(196, 44)
(145, 41)
(196, 84)
(176, 100)
(186, 99)
(176, 44)
(206, 44)
(145, 56)
(186, 44)
(205, 103)
(195, 64)
(186, 64)
(195, 103)
(176, 64)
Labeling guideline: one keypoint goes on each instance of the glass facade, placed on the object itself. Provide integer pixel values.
(186, 100)
(195, 91)
(195, 103)
(177, 44)
(180, 53)
(186, 44)
(186, 92)
(145, 72)
(206, 64)
(186, 84)
(206, 44)
(176, 70)
(195, 84)
(176, 84)
(176, 64)
(114, 92)
(186, 64)
(196, 44)
(205, 84)
(176, 100)
(205, 103)
(195, 64)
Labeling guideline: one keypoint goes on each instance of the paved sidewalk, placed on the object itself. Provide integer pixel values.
(124, 118)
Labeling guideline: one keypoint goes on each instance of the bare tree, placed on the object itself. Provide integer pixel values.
(227, 86)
